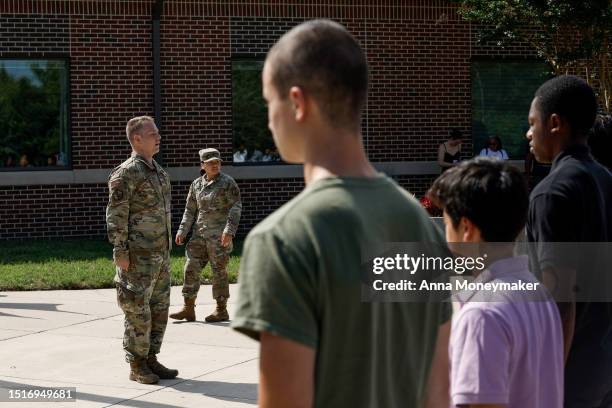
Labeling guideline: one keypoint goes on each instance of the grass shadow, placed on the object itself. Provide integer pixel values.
(70, 250)
(46, 250)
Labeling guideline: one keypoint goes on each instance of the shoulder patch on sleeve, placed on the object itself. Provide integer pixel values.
(114, 183)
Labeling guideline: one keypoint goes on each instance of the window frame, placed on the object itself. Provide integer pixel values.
(498, 59)
(66, 59)
(242, 57)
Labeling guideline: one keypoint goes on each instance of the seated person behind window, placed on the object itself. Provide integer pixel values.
(275, 155)
(257, 155)
(61, 159)
(241, 154)
(600, 140)
(24, 161)
(494, 149)
(449, 152)
(268, 156)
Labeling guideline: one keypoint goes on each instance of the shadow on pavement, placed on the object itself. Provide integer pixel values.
(237, 392)
(83, 396)
(47, 307)
(246, 393)
(222, 324)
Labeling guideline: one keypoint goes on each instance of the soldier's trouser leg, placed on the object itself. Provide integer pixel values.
(134, 295)
(196, 258)
(159, 304)
(219, 258)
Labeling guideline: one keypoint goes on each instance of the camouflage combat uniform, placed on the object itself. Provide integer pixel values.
(138, 222)
(213, 208)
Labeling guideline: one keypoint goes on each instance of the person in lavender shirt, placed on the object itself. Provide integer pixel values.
(506, 348)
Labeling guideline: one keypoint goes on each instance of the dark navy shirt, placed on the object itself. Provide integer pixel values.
(574, 204)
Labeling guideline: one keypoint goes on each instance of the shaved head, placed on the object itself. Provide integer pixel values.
(326, 62)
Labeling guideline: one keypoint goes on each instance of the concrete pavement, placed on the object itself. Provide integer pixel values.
(74, 339)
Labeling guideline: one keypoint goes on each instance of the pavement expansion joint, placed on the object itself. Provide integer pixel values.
(60, 327)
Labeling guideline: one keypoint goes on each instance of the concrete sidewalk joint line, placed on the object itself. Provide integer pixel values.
(57, 328)
(85, 351)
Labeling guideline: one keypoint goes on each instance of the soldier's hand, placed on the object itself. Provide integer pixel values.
(123, 263)
(226, 240)
(179, 239)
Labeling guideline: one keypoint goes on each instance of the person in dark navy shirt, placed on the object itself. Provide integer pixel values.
(573, 204)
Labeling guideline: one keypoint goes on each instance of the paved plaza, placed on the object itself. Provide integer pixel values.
(74, 339)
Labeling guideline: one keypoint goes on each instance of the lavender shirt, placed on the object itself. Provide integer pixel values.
(508, 351)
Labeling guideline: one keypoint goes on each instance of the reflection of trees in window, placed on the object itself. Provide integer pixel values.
(501, 95)
(249, 114)
(33, 113)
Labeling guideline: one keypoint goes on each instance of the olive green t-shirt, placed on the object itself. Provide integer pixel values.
(300, 279)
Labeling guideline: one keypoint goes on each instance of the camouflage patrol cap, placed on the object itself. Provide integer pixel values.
(209, 154)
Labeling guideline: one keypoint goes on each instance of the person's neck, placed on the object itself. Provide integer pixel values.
(210, 178)
(571, 143)
(148, 158)
(566, 144)
(494, 252)
(336, 153)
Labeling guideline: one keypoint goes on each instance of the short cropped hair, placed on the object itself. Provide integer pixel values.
(135, 124)
(489, 192)
(571, 98)
(325, 60)
(600, 140)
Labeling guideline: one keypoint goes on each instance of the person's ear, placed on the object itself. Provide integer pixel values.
(560, 128)
(298, 103)
(470, 232)
(136, 138)
(559, 125)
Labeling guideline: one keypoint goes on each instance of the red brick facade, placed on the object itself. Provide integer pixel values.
(419, 53)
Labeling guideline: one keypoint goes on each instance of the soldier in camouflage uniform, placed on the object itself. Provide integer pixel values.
(213, 203)
(138, 223)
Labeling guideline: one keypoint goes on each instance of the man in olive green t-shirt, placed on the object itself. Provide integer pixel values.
(300, 281)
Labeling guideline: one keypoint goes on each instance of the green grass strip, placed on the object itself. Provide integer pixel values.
(78, 264)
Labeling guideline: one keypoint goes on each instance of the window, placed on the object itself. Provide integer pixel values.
(34, 114)
(253, 143)
(501, 95)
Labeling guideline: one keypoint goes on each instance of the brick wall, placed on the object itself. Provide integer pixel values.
(78, 210)
(34, 33)
(52, 211)
(196, 88)
(111, 81)
(419, 54)
(417, 185)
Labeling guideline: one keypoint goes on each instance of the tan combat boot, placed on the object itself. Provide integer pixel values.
(140, 372)
(159, 369)
(220, 314)
(188, 312)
